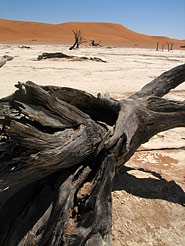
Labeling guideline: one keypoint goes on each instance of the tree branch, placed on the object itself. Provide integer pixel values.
(99, 109)
(161, 85)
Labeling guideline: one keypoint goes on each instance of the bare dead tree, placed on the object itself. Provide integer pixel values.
(163, 45)
(93, 43)
(157, 47)
(171, 46)
(168, 44)
(78, 40)
(58, 153)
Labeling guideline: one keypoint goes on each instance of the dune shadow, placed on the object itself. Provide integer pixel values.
(150, 188)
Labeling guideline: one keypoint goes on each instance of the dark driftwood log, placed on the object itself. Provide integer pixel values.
(4, 59)
(72, 58)
(58, 153)
(95, 44)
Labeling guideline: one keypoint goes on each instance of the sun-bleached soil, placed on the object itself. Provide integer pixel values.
(148, 196)
(127, 69)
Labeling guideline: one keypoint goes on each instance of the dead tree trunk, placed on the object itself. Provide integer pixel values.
(168, 44)
(58, 152)
(78, 40)
(163, 45)
(157, 47)
(171, 46)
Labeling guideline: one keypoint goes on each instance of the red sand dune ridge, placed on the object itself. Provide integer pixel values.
(22, 32)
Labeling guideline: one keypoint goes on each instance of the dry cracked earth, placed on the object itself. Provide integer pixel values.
(148, 194)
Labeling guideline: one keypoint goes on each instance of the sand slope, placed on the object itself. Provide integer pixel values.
(109, 34)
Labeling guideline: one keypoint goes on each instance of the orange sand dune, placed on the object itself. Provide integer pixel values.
(21, 32)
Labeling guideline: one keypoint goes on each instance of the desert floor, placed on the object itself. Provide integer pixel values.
(148, 197)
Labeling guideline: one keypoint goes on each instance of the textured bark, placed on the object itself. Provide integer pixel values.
(59, 150)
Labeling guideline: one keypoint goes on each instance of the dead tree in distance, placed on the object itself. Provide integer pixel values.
(163, 45)
(78, 40)
(58, 153)
(157, 46)
(168, 44)
(171, 46)
(94, 44)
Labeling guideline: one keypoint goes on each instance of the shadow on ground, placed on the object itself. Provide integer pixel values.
(151, 188)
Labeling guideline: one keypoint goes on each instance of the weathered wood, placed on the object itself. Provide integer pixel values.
(58, 152)
(99, 109)
(72, 58)
(4, 59)
(95, 44)
(161, 85)
(53, 55)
